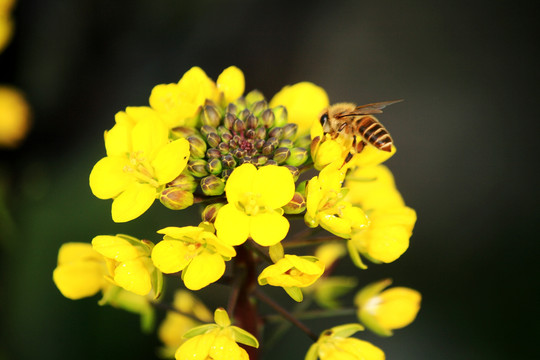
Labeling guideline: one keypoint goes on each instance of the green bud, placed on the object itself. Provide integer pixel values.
(197, 168)
(226, 173)
(295, 172)
(280, 113)
(223, 148)
(210, 116)
(183, 132)
(268, 118)
(184, 181)
(258, 107)
(289, 131)
(240, 104)
(286, 143)
(213, 139)
(276, 132)
(228, 161)
(267, 148)
(212, 185)
(296, 206)
(213, 153)
(207, 129)
(298, 156)
(229, 120)
(253, 96)
(260, 160)
(210, 212)
(224, 133)
(214, 166)
(244, 114)
(259, 143)
(281, 155)
(197, 146)
(252, 121)
(239, 126)
(175, 198)
(260, 133)
(231, 108)
(303, 141)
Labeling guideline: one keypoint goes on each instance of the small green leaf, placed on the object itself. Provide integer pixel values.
(346, 330)
(355, 255)
(222, 318)
(295, 293)
(243, 337)
(313, 352)
(276, 252)
(199, 330)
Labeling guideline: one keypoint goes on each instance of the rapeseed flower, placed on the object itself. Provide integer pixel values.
(14, 116)
(140, 161)
(198, 253)
(129, 264)
(385, 310)
(216, 341)
(255, 197)
(6, 23)
(336, 344)
(326, 206)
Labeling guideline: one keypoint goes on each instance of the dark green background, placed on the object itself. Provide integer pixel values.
(466, 138)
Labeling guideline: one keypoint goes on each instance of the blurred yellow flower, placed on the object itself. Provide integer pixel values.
(231, 83)
(255, 197)
(384, 311)
(14, 114)
(304, 102)
(336, 344)
(129, 264)
(327, 207)
(198, 253)
(6, 24)
(140, 161)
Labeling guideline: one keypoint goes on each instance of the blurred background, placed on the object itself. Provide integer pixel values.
(466, 148)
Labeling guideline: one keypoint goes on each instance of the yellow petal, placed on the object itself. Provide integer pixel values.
(361, 348)
(336, 225)
(181, 233)
(133, 202)
(398, 308)
(388, 244)
(328, 152)
(224, 348)
(148, 136)
(306, 266)
(133, 276)
(170, 256)
(372, 156)
(114, 247)
(240, 182)
(313, 196)
(77, 280)
(196, 348)
(269, 228)
(171, 160)
(118, 140)
(203, 270)
(76, 252)
(231, 82)
(232, 225)
(108, 178)
(196, 82)
(275, 184)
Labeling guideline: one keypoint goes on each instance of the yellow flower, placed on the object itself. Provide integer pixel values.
(336, 344)
(175, 325)
(80, 271)
(198, 253)
(128, 260)
(140, 161)
(387, 236)
(231, 83)
(384, 311)
(216, 341)
(291, 273)
(304, 102)
(14, 114)
(255, 198)
(6, 24)
(326, 206)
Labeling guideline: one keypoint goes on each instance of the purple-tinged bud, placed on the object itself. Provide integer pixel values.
(197, 168)
(207, 129)
(176, 199)
(271, 162)
(223, 148)
(239, 153)
(229, 120)
(286, 143)
(280, 113)
(260, 160)
(281, 155)
(260, 133)
(258, 107)
(183, 132)
(268, 118)
(276, 132)
(294, 171)
(213, 153)
(210, 116)
(244, 114)
(197, 146)
(289, 131)
(239, 126)
(298, 157)
(226, 173)
(214, 166)
(251, 121)
(228, 161)
(184, 181)
(232, 108)
(296, 206)
(224, 133)
(210, 212)
(259, 144)
(212, 185)
(267, 149)
(213, 139)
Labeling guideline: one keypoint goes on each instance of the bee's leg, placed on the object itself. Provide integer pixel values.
(360, 146)
(347, 159)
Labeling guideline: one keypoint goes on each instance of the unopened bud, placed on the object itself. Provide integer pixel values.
(213, 139)
(213, 153)
(239, 153)
(250, 133)
(197, 168)
(183, 132)
(286, 143)
(259, 144)
(224, 133)
(184, 181)
(296, 205)
(253, 96)
(276, 132)
(207, 129)
(258, 107)
(303, 141)
(239, 126)
(197, 146)
(260, 160)
(252, 121)
(226, 173)
(214, 166)
(289, 131)
(229, 120)
(267, 148)
(268, 118)
(280, 113)
(210, 212)
(176, 199)
(298, 157)
(294, 171)
(228, 161)
(210, 116)
(281, 155)
(232, 108)
(223, 148)
(212, 185)
(244, 114)
(260, 133)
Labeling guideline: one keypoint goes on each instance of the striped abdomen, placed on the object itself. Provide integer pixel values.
(374, 133)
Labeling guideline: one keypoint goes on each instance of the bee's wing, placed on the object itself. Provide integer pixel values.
(373, 108)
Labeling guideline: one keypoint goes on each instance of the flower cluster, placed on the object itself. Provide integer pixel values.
(253, 167)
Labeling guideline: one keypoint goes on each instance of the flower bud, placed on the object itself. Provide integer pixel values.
(213, 139)
(296, 205)
(252, 122)
(254, 96)
(213, 153)
(197, 168)
(232, 108)
(223, 148)
(294, 171)
(250, 134)
(183, 132)
(298, 157)
(276, 132)
(267, 149)
(260, 160)
(184, 181)
(175, 198)
(280, 113)
(239, 126)
(259, 143)
(224, 133)
(303, 141)
(281, 155)
(207, 129)
(259, 107)
(197, 146)
(212, 185)
(228, 161)
(289, 131)
(260, 133)
(229, 120)
(226, 173)
(244, 114)
(210, 212)
(214, 166)
(286, 143)
(268, 118)
(210, 116)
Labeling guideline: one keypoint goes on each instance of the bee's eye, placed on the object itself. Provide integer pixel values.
(324, 119)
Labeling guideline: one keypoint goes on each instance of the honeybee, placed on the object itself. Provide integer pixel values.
(356, 126)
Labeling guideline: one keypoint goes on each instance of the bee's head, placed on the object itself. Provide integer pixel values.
(325, 122)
